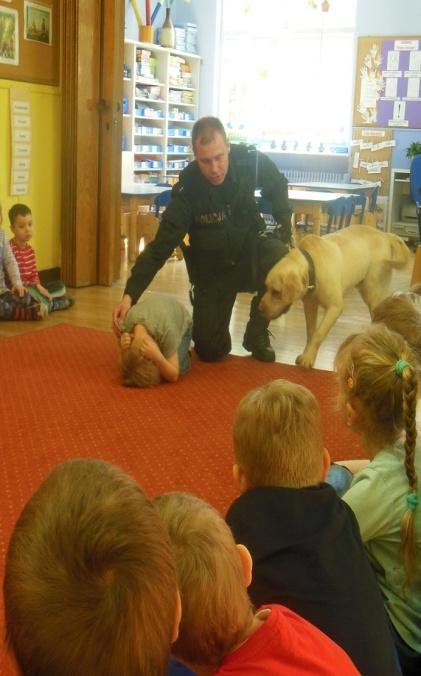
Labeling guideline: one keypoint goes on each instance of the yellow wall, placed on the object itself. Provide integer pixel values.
(43, 198)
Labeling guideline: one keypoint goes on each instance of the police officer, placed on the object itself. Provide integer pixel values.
(228, 251)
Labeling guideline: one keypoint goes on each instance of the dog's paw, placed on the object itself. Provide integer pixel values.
(304, 360)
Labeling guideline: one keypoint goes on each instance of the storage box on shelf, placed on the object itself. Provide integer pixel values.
(160, 106)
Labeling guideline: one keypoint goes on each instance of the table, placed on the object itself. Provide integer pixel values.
(312, 202)
(353, 187)
(133, 196)
(139, 194)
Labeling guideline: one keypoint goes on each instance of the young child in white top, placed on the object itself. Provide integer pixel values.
(52, 296)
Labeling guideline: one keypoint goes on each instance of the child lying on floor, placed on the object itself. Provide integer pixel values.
(155, 341)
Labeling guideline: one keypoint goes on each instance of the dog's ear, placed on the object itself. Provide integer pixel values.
(292, 288)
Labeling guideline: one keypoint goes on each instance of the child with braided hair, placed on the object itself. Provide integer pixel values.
(378, 383)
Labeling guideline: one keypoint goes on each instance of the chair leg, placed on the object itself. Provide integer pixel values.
(348, 220)
(329, 223)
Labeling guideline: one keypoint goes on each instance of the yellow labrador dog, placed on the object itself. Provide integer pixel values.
(322, 269)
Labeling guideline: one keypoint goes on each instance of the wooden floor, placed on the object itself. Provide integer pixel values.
(93, 308)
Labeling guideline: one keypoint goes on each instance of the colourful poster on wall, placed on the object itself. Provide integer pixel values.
(388, 82)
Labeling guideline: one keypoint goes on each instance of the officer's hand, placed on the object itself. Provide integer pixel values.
(119, 314)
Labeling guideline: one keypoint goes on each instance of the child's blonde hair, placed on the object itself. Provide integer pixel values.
(138, 370)
(216, 609)
(377, 373)
(278, 436)
(399, 313)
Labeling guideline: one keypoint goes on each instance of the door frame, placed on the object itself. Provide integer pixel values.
(92, 67)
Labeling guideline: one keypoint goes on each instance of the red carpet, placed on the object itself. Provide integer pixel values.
(61, 398)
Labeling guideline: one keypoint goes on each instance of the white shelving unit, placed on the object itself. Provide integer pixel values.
(160, 107)
(402, 218)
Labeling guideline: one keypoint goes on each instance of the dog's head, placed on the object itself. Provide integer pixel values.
(285, 283)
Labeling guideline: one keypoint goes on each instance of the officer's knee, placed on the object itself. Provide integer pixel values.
(207, 354)
(209, 351)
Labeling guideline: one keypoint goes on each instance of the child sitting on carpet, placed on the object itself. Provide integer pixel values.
(303, 539)
(90, 585)
(219, 631)
(15, 303)
(53, 297)
(155, 341)
(401, 312)
(378, 381)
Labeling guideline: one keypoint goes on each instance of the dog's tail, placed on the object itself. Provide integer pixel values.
(399, 252)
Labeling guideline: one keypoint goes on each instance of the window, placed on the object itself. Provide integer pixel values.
(287, 71)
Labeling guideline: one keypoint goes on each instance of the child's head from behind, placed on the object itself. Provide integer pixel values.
(212, 575)
(370, 383)
(90, 584)
(20, 217)
(138, 370)
(278, 437)
(401, 314)
(377, 374)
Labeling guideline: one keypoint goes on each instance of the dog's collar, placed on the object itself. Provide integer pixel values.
(311, 271)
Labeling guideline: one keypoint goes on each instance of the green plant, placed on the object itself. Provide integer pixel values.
(413, 149)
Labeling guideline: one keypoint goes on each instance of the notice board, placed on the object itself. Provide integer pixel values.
(388, 82)
(371, 153)
(30, 41)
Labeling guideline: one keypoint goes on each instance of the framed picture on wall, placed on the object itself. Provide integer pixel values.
(38, 23)
(9, 36)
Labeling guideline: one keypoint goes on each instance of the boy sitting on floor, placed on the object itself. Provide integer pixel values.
(15, 302)
(304, 540)
(90, 585)
(155, 342)
(53, 297)
(219, 631)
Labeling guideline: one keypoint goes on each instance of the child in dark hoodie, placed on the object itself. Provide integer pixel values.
(304, 540)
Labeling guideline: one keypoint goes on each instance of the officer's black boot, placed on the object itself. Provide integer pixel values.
(256, 338)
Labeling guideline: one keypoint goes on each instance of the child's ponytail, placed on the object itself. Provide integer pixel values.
(408, 536)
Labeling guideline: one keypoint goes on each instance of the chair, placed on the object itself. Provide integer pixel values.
(370, 213)
(334, 210)
(372, 202)
(415, 185)
(360, 205)
(148, 224)
(162, 201)
(348, 210)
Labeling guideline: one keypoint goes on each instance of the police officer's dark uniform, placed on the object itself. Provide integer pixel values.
(228, 251)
